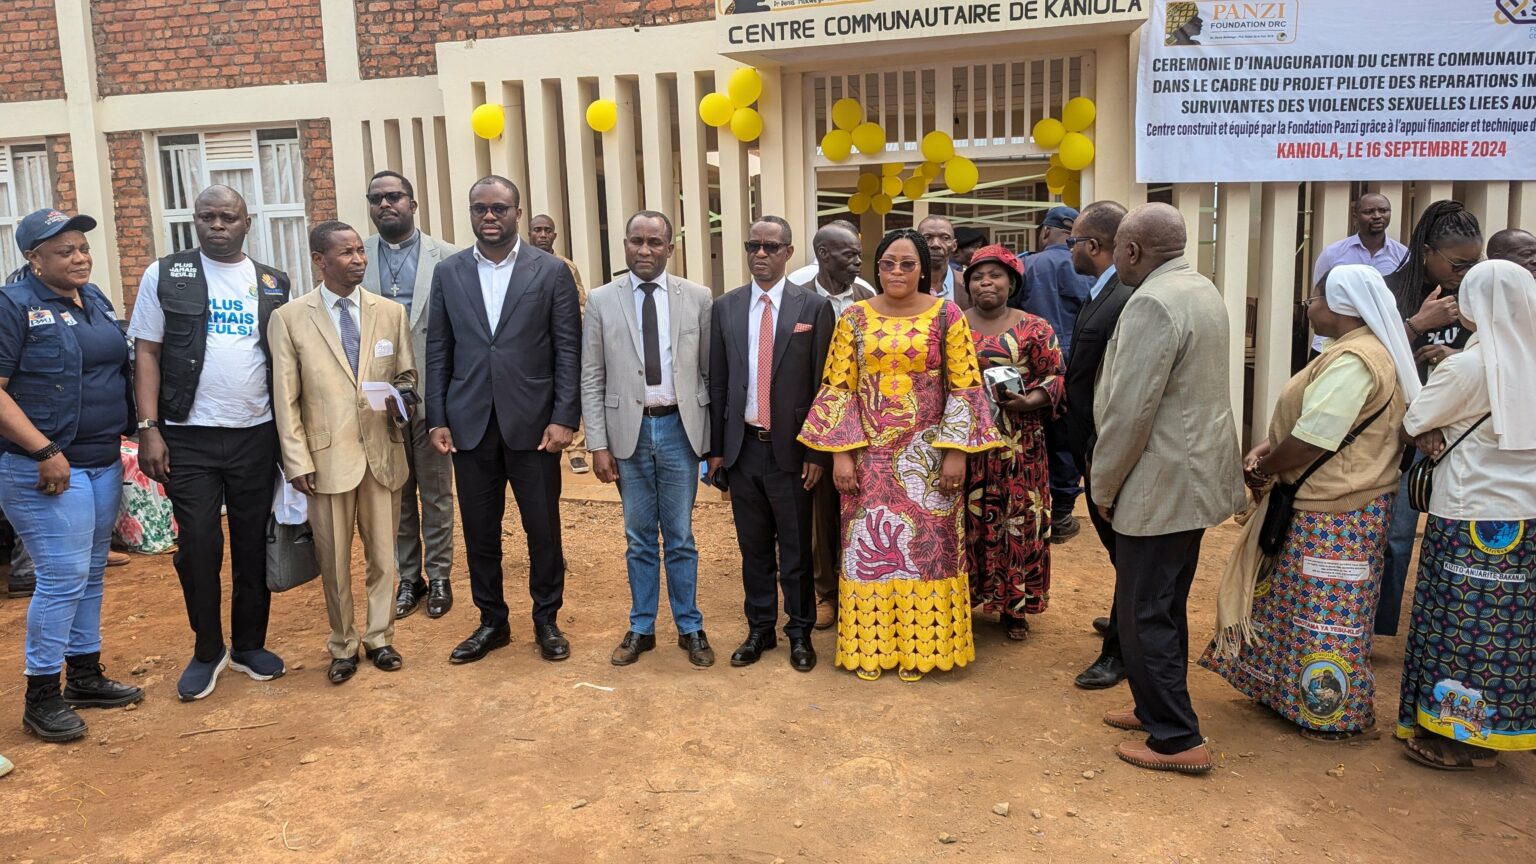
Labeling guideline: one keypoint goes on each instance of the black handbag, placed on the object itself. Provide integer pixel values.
(1421, 477)
(1282, 497)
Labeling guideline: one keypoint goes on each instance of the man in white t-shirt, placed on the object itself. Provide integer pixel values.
(203, 386)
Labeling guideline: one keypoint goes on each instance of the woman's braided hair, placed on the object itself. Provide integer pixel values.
(1443, 223)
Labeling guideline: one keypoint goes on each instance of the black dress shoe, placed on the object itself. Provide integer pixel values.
(630, 649)
(553, 645)
(480, 643)
(342, 669)
(1101, 626)
(697, 646)
(408, 598)
(1105, 672)
(439, 598)
(87, 686)
(387, 659)
(752, 648)
(802, 655)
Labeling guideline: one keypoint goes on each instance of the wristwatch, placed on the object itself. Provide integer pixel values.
(148, 424)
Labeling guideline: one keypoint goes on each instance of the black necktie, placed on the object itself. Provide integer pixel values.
(648, 329)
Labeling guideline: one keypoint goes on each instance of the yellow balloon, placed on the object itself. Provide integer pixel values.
(915, 187)
(1072, 198)
(1078, 114)
(1048, 133)
(602, 115)
(488, 121)
(930, 169)
(858, 202)
(938, 147)
(869, 138)
(1076, 151)
(869, 184)
(836, 145)
(881, 203)
(715, 109)
(960, 175)
(891, 169)
(847, 114)
(746, 124)
(1056, 160)
(1055, 190)
(1056, 178)
(890, 185)
(744, 86)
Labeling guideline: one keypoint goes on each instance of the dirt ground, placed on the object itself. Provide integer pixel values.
(515, 759)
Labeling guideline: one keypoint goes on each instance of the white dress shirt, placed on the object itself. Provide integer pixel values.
(494, 277)
(775, 297)
(656, 395)
(329, 299)
(840, 302)
(807, 274)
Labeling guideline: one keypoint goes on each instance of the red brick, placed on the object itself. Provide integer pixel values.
(130, 208)
(29, 52)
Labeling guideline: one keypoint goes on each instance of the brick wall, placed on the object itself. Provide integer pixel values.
(152, 46)
(319, 170)
(29, 52)
(398, 38)
(130, 207)
(62, 162)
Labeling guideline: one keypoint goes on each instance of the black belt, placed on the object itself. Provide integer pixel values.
(760, 433)
(659, 410)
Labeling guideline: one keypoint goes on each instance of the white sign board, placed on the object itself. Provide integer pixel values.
(1328, 90)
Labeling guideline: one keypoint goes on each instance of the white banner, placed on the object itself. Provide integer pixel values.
(1332, 90)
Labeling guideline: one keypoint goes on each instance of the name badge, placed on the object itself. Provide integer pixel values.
(383, 348)
(39, 317)
(269, 286)
(67, 318)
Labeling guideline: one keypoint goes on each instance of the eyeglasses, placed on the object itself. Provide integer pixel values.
(756, 246)
(1305, 304)
(891, 265)
(498, 210)
(377, 198)
(1458, 266)
(1073, 241)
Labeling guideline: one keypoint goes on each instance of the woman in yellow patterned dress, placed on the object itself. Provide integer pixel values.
(900, 407)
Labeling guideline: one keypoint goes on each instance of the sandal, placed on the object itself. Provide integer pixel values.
(909, 675)
(1444, 754)
(1335, 736)
(868, 675)
(1016, 627)
(342, 669)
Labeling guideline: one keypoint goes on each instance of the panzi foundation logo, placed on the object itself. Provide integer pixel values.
(1514, 11)
(1210, 23)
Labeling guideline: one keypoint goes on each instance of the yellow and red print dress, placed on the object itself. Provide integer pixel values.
(904, 596)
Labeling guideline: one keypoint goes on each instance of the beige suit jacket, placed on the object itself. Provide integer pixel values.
(1167, 456)
(324, 423)
(432, 251)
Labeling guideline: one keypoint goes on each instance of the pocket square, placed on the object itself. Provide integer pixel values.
(801, 327)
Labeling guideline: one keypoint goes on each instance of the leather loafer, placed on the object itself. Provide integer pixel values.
(553, 645)
(630, 649)
(480, 643)
(1124, 718)
(752, 648)
(408, 598)
(697, 646)
(1101, 626)
(342, 669)
(439, 598)
(802, 655)
(1105, 672)
(386, 659)
(1195, 760)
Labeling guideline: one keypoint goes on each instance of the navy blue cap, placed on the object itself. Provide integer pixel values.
(1060, 217)
(39, 225)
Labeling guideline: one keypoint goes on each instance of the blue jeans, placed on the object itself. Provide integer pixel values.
(68, 536)
(658, 485)
(1401, 530)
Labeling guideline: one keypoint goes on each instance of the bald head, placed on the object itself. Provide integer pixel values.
(1149, 237)
(838, 256)
(1514, 244)
(221, 221)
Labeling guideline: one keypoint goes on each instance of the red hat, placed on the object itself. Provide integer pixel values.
(999, 253)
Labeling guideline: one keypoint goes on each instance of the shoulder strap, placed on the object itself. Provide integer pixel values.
(1348, 440)
(1462, 437)
(944, 347)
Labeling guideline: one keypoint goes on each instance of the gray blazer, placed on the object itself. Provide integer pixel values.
(1167, 457)
(432, 251)
(613, 365)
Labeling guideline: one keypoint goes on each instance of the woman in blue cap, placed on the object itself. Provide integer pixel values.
(65, 403)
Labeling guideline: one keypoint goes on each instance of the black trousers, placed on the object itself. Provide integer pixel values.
(772, 509)
(481, 476)
(1106, 534)
(213, 467)
(1153, 577)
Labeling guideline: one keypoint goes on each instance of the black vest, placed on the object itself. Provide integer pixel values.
(183, 294)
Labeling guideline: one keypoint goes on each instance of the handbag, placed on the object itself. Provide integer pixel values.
(291, 558)
(1282, 498)
(1421, 477)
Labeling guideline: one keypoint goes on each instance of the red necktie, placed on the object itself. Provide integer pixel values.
(764, 363)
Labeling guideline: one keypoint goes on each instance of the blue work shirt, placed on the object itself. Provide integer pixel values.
(1054, 291)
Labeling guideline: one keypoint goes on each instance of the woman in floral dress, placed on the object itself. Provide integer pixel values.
(901, 405)
(1008, 504)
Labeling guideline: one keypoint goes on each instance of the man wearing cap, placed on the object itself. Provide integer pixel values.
(967, 241)
(203, 378)
(1056, 292)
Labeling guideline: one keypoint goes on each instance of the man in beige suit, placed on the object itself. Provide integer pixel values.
(349, 459)
(1166, 466)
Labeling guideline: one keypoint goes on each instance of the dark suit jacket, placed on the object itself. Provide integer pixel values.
(799, 353)
(530, 372)
(1095, 324)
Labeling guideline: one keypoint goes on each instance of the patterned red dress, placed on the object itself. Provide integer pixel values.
(1008, 504)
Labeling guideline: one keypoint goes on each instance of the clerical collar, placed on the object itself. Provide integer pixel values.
(409, 241)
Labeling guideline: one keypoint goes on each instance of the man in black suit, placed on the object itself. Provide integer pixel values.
(504, 397)
(1092, 246)
(769, 343)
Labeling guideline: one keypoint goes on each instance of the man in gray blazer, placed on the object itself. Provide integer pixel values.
(645, 400)
(401, 260)
(1166, 466)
